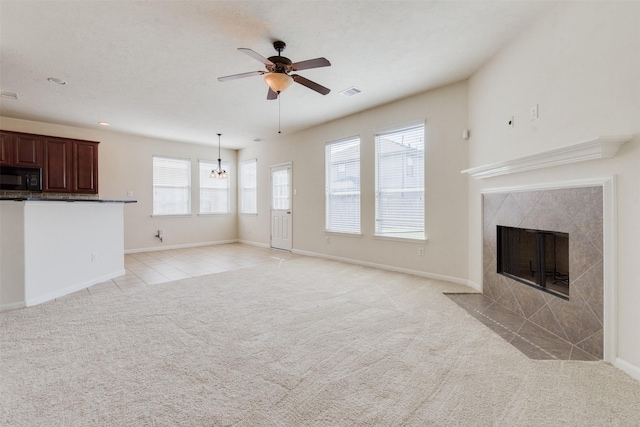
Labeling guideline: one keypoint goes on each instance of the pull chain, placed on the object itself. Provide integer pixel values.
(279, 113)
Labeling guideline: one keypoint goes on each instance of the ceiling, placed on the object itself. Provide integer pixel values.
(150, 68)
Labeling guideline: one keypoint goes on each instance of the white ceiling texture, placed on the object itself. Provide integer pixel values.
(150, 68)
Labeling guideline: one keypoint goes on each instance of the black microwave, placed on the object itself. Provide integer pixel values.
(20, 179)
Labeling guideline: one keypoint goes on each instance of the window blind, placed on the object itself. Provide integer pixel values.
(342, 183)
(171, 186)
(249, 187)
(400, 183)
(280, 189)
(214, 192)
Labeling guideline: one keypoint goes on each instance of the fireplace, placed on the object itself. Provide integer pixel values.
(537, 258)
(543, 260)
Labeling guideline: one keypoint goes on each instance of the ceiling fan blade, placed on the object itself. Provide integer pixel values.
(271, 94)
(255, 55)
(311, 63)
(311, 85)
(241, 75)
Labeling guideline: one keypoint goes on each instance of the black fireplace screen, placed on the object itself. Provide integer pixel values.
(536, 258)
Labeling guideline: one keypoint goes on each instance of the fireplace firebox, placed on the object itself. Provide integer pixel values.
(537, 258)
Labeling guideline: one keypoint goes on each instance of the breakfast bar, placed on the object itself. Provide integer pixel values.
(53, 247)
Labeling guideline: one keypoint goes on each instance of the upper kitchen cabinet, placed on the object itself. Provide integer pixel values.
(71, 166)
(68, 165)
(6, 148)
(56, 173)
(84, 167)
(28, 150)
(18, 149)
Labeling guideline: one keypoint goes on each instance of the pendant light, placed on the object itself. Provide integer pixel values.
(219, 173)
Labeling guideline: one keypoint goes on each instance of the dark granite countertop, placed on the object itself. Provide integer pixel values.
(46, 199)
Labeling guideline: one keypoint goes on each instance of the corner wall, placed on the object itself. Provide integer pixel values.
(445, 253)
(580, 63)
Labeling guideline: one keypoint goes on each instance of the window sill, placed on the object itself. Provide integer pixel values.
(214, 214)
(339, 233)
(171, 216)
(402, 239)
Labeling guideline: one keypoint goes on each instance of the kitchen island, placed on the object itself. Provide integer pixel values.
(53, 247)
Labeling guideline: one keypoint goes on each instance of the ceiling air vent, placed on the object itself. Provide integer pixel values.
(351, 91)
(9, 95)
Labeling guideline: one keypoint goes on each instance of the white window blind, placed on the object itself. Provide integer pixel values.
(248, 187)
(171, 186)
(342, 183)
(280, 189)
(214, 192)
(400, 183)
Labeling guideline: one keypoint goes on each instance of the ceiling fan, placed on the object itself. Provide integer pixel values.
(278, 69)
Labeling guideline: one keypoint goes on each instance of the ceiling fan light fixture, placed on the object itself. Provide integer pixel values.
(278, 82)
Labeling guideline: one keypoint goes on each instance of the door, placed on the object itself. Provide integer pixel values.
(281, 217)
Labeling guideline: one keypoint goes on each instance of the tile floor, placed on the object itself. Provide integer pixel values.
(532, 340)
(150, 268)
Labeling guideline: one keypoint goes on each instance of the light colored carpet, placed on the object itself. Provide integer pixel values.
(301, 342)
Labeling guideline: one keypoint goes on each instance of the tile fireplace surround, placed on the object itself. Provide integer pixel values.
(577, 211)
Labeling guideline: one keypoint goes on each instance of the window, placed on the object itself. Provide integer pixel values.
(214, 192)
(280, 190)
(400, 183)
(342, 183)
(171, 186)
(248, 187)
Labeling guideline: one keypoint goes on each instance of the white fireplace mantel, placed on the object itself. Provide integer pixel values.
(603, 147)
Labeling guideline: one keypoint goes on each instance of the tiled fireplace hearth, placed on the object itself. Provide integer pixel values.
(577, 211)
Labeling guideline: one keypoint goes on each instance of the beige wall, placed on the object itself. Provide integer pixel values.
(581, 64)
(125, 164)
(445, 113)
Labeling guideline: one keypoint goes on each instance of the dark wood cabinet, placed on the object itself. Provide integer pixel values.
(28, 150)
(6, 148)
(84, 167)
(68, 165)
(20, 149)
(71, 166)
(57, 167)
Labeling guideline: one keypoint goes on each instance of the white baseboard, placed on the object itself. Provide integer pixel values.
(12, 306)
(260, 245)
(73, 288)
(428, 275)
(623, 365)
(474, 285)
(184, 246)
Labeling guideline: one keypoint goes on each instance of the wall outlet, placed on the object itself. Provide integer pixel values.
(327, 240)
(421, 251)
(94, 257)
